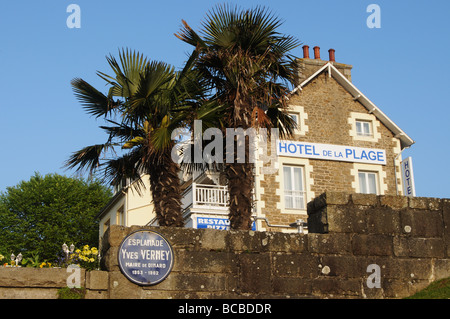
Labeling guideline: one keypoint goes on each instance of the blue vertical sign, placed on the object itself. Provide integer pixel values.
(409, 188)
(145, 257)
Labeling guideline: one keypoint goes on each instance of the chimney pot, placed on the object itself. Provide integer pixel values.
(332, 55)
(306, 51)
(317, 52)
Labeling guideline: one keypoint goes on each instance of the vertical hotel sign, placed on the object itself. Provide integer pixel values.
(409, 188)
(145, 257)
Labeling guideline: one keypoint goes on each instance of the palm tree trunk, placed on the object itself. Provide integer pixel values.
(166, 191)
(240, 189)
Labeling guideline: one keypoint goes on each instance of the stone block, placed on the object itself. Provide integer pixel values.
(203, 261)
(337, 198)
(115, 234)
(254, 273)
(303, 265)
(336, 287)
(441, 268)
(183, 238)
(446, 218)
(326, 199)
(383, 221)
(340, 266)
(419, 247)
(425, 203)
(292, 286)
(372, 245)
(419, 223)
(394, 201)
(96, 294)
(97, 280)
(289, 243)
(36, 277)
(329, 243)
(200, 282)
(28, 293)
(346, 219)
(213, 239)
(109, 261)
(405, 268)
(364, 199)
(248, 241)
(121, 288)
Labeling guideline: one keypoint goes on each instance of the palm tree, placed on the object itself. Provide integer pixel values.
(146, 102)
(247, 61)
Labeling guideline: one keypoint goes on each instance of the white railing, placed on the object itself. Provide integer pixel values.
(210, 195)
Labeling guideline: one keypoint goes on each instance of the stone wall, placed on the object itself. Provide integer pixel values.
(408, 239)
(44, 283)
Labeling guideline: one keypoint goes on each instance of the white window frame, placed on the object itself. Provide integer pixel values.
(380, 173)
(302, 116)
(373, 123)
(367, 186)
(296, 117)
(365, 128)
(298, 196)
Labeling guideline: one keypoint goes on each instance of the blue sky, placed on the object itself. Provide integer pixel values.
(402, 67)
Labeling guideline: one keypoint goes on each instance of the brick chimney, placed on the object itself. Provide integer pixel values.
(308, 66)
(317, 53)
(331, 55)
(306, 52)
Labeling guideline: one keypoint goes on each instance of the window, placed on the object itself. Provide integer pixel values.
(368, 182)
(296, 118)
(294, 190)
(298, 114)
(119, 216)
(364, 128)
(106, 225)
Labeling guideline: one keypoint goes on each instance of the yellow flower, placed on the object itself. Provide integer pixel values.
(91, 260)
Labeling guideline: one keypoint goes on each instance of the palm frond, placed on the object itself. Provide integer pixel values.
(88, 158)
(127, 74)
(128, 166)
(188, 35)
(93, 101)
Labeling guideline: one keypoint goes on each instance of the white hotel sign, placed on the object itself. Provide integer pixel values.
(331, 152)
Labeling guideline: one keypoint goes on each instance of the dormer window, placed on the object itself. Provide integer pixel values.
(298, 114)
(364, 128)
(296, 118)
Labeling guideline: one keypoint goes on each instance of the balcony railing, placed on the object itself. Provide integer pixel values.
(209, 195)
